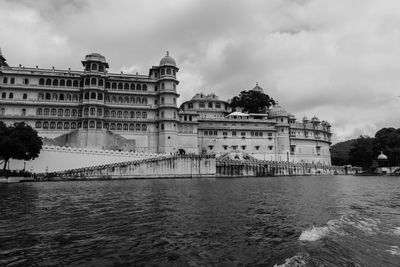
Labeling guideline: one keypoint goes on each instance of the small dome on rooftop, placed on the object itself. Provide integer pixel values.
(168, 61)
(95, 57)
(382, 156)
(277, 111)
(257, 88)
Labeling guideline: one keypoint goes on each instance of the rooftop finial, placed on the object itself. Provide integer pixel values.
(167, 53)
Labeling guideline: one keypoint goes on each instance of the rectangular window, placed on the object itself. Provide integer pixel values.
(234, 147)
(210, 105)
(257, 147)
(225, 147)
(205, 132)
(243, 147)
(243, 133)
(270, 147)
(201, 105)
(225, 133)
(211, 147)
(234, 133)
(217, 105)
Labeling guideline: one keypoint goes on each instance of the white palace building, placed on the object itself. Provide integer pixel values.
(92, 108)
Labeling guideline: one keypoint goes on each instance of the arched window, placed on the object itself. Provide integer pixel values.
(66, 125)
(69, 98)
(107, 99)
(138, 101)
(86, 95)
(48, 96)
(74, 113)
(55, 82)
(126, 114)
(113, 99)
(41, 81)
(53, 112)
(106, 125)
(174, 72)
(100, 97)
(107, 85)
(91, 124)
(69, 83)
(120, 99)
(113, 114)
(23, 112)
(162, 100)
(144, 101)
(114, 85)
(38, 124)
(40, 96)
(87, 81)
(107, 113)
(112, 126)
(132, 100)
(162, 86)
(11, 95)
(45, 125)
(3, 95)
(87, 67)
(73, 125)
(61, 96)
(132, 114)
(138, 114)
(169, 71)
(94, 67)
(144, 127)
(99, 112)
(119, 114)
(60, 112)
(101, 68)
(52, 125)
(75, 97)
(126, 87)
(137, 127)
(98, 125)
(119, 127)
(120, 86)
(92, 111)
(59, 125)
(144, 87)
(76, 84)
(67, 112)
(85, 111)
(48, 82)
(93, 81)
(132, 86)
(39, 112)
(144, 115)
(85, 124)
(101, 82)
(125, 127)
(126, 99)
(55, 96)
(46, 112)
(5, 80)
(93, 95)
(62, 82)
(131, 127)
(138, 87)
(2, 111)
(162, 71)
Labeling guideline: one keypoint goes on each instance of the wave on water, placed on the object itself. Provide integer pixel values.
(396, 231)
(295, 261)
(394, 250)
(368, 226)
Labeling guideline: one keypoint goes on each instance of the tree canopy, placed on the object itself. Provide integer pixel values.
(18, 141)
(252, 101)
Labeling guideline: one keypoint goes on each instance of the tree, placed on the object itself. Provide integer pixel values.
(18, 141)
(252, 101)
(361, 154)
(387, 140)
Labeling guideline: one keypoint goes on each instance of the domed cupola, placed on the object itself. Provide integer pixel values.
(277, 111)
(382, 156)
(257, 88)
(95, 62)
(167, 61)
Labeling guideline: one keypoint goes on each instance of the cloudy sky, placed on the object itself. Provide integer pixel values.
(336, 59)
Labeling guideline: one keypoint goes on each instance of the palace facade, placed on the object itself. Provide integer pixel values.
(97, 109)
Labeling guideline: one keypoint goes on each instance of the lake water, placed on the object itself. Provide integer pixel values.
(278, 221)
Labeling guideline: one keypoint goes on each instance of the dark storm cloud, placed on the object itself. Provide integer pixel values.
(316, 57)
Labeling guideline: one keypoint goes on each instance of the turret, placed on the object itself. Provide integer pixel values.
(167, 108)
(3, 61)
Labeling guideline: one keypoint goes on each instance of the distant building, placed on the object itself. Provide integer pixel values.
(98, 109)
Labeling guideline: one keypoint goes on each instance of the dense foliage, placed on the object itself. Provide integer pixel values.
(364, 150)
(252, 101)
(340, 152)
(18, 141)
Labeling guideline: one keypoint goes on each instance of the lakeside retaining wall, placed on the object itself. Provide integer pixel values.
(56, 158)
